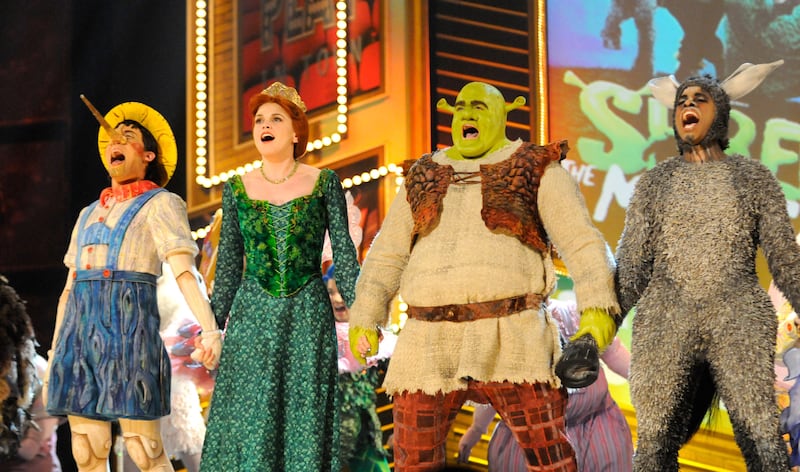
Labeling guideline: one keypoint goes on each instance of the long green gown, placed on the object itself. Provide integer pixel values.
(274, 403)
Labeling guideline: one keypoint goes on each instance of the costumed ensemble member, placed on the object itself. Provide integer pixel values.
(107, 360)
(274, 403)
(18, 378)
(787, 369)
(596, 427)
(704, 326)
(37, 450)
(467, 244)
(360, 437)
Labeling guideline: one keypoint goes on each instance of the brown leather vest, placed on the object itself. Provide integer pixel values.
(509, 188)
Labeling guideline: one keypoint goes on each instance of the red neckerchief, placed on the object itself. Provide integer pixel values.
(125, 192)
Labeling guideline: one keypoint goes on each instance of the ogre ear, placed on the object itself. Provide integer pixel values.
(747, 77)
(664, 89)
(443, 105)
(518, 102)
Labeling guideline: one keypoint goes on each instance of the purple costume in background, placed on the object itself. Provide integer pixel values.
(595, 425)
(110, 361)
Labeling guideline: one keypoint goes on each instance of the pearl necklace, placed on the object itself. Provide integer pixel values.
(280, 181)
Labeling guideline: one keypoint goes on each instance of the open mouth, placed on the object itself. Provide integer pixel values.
(689, 119)
(117, 158)
(469, 132)
(266, 137)
(340, 312)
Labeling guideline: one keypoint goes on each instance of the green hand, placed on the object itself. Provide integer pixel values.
(598, 323)
(355, 333)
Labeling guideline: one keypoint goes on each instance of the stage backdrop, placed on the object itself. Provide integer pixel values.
(295, 42)
(600, 59)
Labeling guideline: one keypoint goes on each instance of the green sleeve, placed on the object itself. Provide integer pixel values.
(230, 258)
(345, 257)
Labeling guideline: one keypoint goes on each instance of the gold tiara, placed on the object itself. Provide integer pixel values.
(277, 89)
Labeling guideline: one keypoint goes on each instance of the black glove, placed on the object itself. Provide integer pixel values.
(579, 364)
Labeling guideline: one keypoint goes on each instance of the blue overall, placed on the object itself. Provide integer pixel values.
(109, 361)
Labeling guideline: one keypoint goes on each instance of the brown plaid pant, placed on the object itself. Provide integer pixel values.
(533, 412)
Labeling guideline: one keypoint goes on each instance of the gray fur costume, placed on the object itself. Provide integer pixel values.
(703, 324)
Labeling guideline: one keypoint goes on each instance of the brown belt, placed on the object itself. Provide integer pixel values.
(476, 311)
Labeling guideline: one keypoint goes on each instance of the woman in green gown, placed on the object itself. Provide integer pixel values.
(274, 403)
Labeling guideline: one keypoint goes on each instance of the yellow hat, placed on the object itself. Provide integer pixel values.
(150, 119)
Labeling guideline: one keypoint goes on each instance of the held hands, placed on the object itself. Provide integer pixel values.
(363, 343)
(598, 323)
(208, 348)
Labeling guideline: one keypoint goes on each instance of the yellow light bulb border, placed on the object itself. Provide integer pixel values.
(350, 182)
(202, 98)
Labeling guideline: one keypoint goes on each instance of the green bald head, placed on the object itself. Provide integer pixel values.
(479, 121)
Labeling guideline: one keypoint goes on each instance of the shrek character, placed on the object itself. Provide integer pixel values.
(468, 244)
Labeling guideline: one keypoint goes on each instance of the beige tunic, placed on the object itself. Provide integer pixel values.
(462, 261)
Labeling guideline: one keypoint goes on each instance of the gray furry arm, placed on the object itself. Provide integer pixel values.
(776, 235)
(635, 248)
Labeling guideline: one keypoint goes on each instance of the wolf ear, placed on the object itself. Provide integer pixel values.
(664, 89)
(747, 77)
